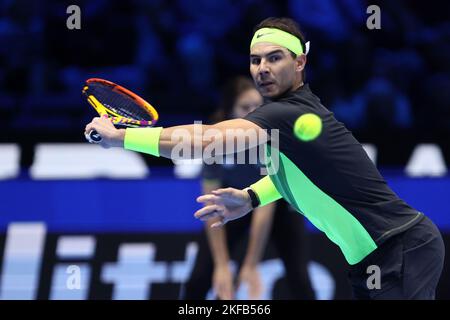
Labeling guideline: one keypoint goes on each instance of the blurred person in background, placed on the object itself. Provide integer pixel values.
(274, 221)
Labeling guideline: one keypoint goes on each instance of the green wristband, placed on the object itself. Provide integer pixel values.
(144, 140)
(266, 191)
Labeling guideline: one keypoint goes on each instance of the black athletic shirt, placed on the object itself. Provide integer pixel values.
(331, 180)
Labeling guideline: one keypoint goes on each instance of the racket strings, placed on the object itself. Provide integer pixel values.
(119, 103)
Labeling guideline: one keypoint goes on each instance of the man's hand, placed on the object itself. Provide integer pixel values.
(250, 276)
(226, 204)
(111, 137)
(223, 282)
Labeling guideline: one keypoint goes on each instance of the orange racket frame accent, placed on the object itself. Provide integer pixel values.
(120, 119)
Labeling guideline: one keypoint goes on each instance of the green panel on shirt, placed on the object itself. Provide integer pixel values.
(325, 213)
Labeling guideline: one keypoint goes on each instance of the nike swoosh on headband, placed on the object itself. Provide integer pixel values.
(263, 34)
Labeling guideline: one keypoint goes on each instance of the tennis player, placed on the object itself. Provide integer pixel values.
(330, 180)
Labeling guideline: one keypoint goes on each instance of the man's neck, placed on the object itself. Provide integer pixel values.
(295, 88)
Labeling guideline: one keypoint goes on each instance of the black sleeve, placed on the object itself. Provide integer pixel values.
(276, 115)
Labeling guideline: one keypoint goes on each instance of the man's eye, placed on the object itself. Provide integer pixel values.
(255, 60)
(274, 58)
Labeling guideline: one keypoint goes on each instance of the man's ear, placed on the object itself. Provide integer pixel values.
(300, 62)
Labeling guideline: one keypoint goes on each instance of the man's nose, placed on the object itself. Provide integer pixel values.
(263, 67)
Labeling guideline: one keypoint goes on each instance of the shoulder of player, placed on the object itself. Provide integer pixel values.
(283, 106)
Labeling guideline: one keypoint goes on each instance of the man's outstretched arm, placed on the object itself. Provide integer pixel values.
(229, 136)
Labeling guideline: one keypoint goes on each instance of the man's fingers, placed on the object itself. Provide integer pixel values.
(208, 212)
(218, 191)
(208, 198)
(223, 191)
(209, 216)
(98, 124)
(205, 210)
(89, 127)
(92, 125)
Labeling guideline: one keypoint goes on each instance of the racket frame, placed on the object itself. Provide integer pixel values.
(116, 118)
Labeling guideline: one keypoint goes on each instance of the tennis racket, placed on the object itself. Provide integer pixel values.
(123, 107)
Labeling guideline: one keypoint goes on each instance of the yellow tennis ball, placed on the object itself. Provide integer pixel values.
(308, 127)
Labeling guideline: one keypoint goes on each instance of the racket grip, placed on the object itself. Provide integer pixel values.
(94, 136)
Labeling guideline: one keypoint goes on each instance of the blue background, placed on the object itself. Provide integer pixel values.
(160, 203)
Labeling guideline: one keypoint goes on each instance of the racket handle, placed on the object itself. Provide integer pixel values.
(94, 137)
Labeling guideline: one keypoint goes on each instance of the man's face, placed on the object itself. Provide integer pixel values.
(273, 69)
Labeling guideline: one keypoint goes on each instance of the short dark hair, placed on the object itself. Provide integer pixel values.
(286, 24)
